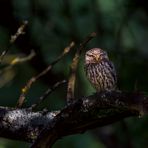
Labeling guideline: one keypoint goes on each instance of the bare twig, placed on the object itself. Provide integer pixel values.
(71, 81)
(13, 38)
(46, 93)
(19, 60)
(26, 88)
(19, 32)
(7, 73)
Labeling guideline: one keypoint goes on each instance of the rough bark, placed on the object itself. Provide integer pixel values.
(97, 110)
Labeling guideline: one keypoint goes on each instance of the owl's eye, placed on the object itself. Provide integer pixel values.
(90, 55)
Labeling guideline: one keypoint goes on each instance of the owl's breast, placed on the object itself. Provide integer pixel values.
(101, 75)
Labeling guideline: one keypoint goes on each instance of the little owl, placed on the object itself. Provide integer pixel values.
(100, 70)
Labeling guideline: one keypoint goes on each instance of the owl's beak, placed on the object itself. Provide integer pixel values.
(97, 57)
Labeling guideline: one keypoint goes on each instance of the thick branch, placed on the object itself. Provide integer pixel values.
(86, 113)
(22, 124)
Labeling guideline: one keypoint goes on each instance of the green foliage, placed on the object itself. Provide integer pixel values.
(122, 31)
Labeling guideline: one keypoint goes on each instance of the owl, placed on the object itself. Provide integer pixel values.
(100, 70)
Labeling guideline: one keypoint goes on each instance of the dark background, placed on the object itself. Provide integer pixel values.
(122, 30)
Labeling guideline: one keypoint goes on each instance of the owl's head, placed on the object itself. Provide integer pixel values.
(95, 55)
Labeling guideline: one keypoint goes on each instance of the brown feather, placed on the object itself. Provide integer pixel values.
(101, 72)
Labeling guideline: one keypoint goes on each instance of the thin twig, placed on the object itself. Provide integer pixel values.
(23, 59)
(73, 68)
(46, 93)
(26, 88)
(19, 60)
(19, 32)
(13, 38)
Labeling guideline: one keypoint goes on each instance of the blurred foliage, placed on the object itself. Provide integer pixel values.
(122, 30)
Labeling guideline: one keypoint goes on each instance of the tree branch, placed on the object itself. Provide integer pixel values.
(85, 113)
(22, 124)
(73, 68)
(28, 85)
(20, 31)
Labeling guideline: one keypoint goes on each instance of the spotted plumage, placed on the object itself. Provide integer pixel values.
(100, 70)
